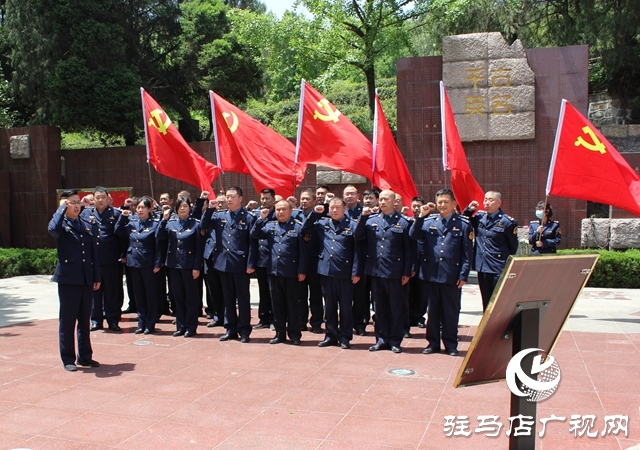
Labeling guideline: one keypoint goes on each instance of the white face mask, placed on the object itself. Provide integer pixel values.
(539, 214)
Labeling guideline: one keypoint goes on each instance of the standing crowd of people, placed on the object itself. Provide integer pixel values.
(337, 262)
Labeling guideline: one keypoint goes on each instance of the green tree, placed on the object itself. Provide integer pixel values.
(251, 5)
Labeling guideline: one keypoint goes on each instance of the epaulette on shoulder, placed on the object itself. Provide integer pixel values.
(298, 221)
(174, 219)
(465, 219)
(533, 221)
(509, 217)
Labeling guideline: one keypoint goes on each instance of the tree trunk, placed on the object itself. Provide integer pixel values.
(370, 74)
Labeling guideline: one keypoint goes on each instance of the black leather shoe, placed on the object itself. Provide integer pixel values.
(295, 341)
(327, 343)
(130, 311)
(317, 330)
(408, 335)
(260, 326)
(452, 352)
(430, 350)
(149, 331)
(422, 325)
(376, 347)
(229, 337)
(138, 331)
(345, 345)
(209, 316)
(361, 332)
(215, 323)
(178, 333)
(245, 339)
(87, 363)
(70, 368)
(115, 327)
(189, 334)
(96, 327)
(276, 340)
(395, 349)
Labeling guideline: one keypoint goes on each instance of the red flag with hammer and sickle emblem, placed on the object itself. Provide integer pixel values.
(586, 166)
(245, 145)
(328, 138)
(169, 153)
(463, 184)
(390, 170)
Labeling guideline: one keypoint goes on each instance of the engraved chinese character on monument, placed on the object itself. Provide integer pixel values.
(490, 86)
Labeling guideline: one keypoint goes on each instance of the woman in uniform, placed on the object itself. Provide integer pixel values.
(544, 234)
(143, 261)
(185, 248)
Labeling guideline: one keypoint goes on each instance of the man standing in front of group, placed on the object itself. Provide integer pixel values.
(107, 301)
(265, 314)
(78, 275)
(496, 239)
(286, 268)
(443, 267)
(389, 260)
(235, 256)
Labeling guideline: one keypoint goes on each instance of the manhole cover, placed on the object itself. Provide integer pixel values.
(402, 372)
(142, 343)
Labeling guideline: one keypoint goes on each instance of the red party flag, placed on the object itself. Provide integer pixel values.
(390, 170)
(463, 184)
(245, 145)
(328, 138)
(168, 152)
(586, 166)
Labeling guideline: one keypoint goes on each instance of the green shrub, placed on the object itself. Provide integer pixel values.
(614, 269)
(20, 261)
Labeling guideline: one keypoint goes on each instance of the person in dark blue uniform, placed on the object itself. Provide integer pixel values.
(286, 269)
(339, 268)
(544, 234)
(212, 278)
(107, 301)
(443, 268)
(311, 292)
(78, 275)
(143, 261)
(185, 248)
(418, 298)
(235, 256)
(496, 238)
(265, 314)
(389, 261)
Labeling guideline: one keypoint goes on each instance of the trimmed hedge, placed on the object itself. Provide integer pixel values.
(614, 269)
(21, 261)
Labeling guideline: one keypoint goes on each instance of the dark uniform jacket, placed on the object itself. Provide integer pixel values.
(289, 253)
(389, 250)
(143, 251)
(551, 236)
(234, 250)
(263, 250)
(446, 251)
(111, 247)
(184, 243)
(496, 239)
(339, 252)
(76, 242)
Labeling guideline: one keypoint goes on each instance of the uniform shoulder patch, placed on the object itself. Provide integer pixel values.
(560, 231)
(298, 221)
(471, 236)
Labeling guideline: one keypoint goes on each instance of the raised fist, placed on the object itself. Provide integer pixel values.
(365, 211)
(473, 205)
(319, 209)
(293, 201)
(213, 203)
(252, 205)
(329, 196)
(126, 212)
(264, 213)
(204, 194)
(425, 210)
(404, 210)
(166, 211)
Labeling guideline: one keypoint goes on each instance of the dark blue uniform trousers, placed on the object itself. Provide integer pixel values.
(75, 306)
(311, 290)
(215, 299)
(236, 286)
(388, 299)
(145, 287)
(487, 283)
(108, 299)
(187, 303)
(265, 314)
(444, 306)
(285, 297)
(360, 309)
(338, 293)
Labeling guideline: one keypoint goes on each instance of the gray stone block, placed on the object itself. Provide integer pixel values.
(511, 127)
(462, 100)
(514, 72)
(472, 128)
(519, 98)
(465, 47)
(459, 74)
(328, 177)
(19, 147)
(623, 233)
(497, 47)
(633, 130)
(616, 131)
(352, 178)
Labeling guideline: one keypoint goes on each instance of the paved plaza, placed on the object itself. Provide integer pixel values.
(161, 392)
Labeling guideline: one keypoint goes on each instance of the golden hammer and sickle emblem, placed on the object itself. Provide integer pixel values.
(161, 126)
(597, 146)
(233, 126)
(331, 114)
